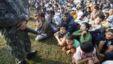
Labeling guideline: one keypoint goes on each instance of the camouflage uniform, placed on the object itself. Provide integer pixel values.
(13, 12)
(18, 42)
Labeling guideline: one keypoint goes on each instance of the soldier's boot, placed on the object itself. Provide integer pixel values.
(31, 55)
(23, 62)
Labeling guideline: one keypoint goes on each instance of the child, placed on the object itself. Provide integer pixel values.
(85, 54)
(70, 45)
(61, 35)
(106, 45)
(83, 34)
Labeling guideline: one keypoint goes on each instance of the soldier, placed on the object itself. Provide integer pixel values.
(13, 17)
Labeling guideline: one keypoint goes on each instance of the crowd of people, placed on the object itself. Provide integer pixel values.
(83, 28)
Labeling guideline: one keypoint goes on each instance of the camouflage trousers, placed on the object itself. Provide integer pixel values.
(18, 42)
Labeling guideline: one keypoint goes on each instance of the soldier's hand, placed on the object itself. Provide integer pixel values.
(22, 25)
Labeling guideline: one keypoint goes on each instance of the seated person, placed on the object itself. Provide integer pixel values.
(97, 29)
(41, 27)
(85, 54)
(110, 18)
(70, 45)
(83, 34)
(95, 12)
(97, 23)
(73, 13)
(68, 21)
(106, 46)
(61, 35)
(56, 21)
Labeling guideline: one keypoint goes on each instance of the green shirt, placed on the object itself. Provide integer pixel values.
(83, 38)
(76, 43)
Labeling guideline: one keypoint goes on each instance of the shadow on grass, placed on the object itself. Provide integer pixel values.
(39, 60)
(50, 40)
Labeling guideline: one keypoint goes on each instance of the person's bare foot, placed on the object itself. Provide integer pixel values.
(68, 51)
(64, 49)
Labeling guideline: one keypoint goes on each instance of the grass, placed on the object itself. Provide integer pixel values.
(48, 51)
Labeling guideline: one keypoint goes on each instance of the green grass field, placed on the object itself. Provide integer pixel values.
(48, 52)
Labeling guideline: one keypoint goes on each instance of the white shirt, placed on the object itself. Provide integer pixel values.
(79, 54)
(57, 18)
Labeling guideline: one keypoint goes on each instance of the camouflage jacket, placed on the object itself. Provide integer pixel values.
(13, 12)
